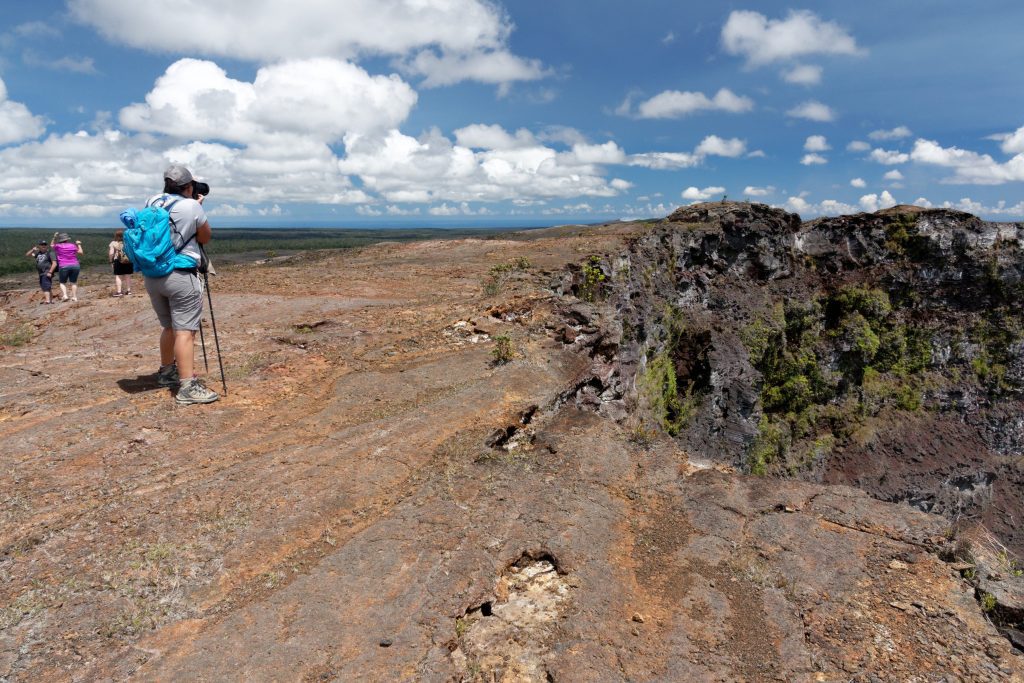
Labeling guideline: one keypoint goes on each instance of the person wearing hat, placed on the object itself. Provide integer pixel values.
(177, 298)
(67, 262)
(45, 264)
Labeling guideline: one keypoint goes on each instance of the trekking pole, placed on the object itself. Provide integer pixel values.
(202, 343)
(216, 342)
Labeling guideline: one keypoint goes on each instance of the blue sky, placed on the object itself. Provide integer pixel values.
(455, 112)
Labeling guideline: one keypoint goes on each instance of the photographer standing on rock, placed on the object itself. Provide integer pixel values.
(177, 297)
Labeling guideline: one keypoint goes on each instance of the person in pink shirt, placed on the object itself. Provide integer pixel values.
(67, 263)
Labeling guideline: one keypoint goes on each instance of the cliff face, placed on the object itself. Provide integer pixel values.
(884, 350)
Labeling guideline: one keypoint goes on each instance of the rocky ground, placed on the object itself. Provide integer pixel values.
(379, 498)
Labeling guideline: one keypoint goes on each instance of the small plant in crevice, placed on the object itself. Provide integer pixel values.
(592, 279)
(503, 351)
(499, 274)
(19, 336)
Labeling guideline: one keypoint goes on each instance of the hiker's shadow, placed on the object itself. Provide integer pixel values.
(139, 384)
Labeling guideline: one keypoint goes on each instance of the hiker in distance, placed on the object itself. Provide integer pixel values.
(177, 297)
(121, 263)
(67, 263)
(46, 265)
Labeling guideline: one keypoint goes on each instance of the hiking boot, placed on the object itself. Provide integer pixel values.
(194, 391)
(168, 376)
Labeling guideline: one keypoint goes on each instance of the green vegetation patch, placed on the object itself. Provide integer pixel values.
(675, 376)
(825, 365)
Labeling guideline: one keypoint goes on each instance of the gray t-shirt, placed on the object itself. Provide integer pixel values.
(186, 217)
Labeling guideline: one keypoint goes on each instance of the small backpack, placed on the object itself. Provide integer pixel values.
(43, 261)
(119, 254)
(148, 241)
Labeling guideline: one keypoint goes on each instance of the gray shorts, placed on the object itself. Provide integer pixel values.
(177, 300)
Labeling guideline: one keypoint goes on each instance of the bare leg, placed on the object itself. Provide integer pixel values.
(166, 346)
(127, 284)
(184, 353)
(74, 291)
(63, 291)
(117, 281)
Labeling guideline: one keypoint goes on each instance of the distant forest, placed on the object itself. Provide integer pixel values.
(249, 242)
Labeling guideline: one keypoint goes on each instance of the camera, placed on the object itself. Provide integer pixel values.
(199, 188)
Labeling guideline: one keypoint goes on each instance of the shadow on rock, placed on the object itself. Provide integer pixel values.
(139, 384)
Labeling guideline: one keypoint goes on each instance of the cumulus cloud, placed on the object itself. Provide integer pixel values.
(16, 121)
(826, 207)
(812, 111)
(664, 160)
(763, 41)
(969, 167)
(893, 175)
(714, 145)
(858, 146)
(888, 157)
(803, 74)
(816, 143)
(442, 40)
(1013, 143)
(320, 99)
(754, 191)
(874, 202)
(673, 104)
(858, 182)
(697, 194)
(897, 133)
(1001, 208)
(813, 159)
(498, 67)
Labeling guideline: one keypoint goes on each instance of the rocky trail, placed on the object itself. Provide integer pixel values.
(379, 498)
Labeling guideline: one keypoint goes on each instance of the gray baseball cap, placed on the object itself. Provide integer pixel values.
(178, 174)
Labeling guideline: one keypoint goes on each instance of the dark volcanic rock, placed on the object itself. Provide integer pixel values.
(879, 350)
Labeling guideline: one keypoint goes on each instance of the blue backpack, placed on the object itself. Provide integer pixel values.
(148, 241)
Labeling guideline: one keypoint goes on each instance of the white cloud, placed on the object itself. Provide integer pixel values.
(763, 41)
(698, 194)
(1000, 209)
(798, 205)
(319, 99)
(1013, 143)
(494, 66)
(813, 111)
(858, 182)
(757, 154)
(832, 207)
(894, 134)
(922, 202)
(669, 38)
(816, 143)
(874, 202)
(803, 74)
(672, 104)
(664, 160)
(858, 146)
(443, 40)
(813, 159)
(714, 145)
(16, 121)
(893, 175)
(969, 167)
(481, 136)
(753, 191)
(888, 157)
